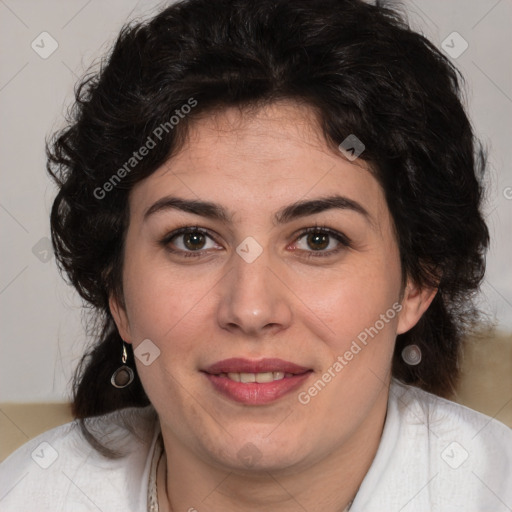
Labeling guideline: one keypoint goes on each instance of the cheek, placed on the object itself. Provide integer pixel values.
(158, 298)
(168, 308)
(351, 300)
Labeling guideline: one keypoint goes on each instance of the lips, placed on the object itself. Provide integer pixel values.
(255, 382)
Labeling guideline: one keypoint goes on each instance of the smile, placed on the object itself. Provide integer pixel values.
(255, 382)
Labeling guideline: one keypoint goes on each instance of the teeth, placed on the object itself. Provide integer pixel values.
(264, 377)
(257, 377)
(247, 377)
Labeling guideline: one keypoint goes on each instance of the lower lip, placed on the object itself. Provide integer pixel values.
(254, 393)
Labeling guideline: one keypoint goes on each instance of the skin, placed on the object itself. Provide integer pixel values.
(199, 310)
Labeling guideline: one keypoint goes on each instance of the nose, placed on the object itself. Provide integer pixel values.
(254, 298)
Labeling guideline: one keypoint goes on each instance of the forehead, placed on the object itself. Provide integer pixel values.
(277, 131)
(259, 160)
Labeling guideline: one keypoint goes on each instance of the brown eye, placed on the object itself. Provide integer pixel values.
(194, 241)
(318, 239)
(188, 241)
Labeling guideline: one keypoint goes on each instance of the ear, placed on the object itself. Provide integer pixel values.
(415, 302)
(118, 312)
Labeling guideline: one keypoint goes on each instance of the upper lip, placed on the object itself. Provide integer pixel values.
(241, 365)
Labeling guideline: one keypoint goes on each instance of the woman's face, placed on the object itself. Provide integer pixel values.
(246, 287)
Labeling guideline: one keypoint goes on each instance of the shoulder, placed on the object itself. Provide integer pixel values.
(60, 470)
(469, 453)
(441, 420)
(436, 455)
(436, 412)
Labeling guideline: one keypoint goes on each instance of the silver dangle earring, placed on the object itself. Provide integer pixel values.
(124, 375)
(411, 354)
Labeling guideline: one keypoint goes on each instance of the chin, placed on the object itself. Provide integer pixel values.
(258, 453)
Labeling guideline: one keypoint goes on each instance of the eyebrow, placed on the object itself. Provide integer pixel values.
(291, 212)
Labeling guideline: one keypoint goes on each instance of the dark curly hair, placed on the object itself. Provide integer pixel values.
(360, 68)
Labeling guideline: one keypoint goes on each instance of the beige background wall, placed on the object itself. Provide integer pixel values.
(42, 335)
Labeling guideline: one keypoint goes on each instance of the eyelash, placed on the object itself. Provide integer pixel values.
(344, 241)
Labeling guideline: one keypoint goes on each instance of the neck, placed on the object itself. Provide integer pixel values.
(330, 484)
